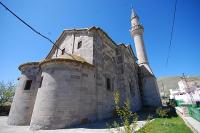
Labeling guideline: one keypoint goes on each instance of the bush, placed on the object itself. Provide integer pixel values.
(127, 118)
(161, 112)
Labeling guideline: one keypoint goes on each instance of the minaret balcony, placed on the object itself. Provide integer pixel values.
(137, 29)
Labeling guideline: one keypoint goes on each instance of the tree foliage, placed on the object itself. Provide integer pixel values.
(6, 92)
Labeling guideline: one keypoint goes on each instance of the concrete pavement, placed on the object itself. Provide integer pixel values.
(191, 122)
(98, 127)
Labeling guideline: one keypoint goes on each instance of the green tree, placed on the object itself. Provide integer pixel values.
(6, 92)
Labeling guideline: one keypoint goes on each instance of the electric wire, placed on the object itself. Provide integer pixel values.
(171, 34)
(33, 29)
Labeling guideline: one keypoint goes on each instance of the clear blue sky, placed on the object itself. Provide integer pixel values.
(18, 44)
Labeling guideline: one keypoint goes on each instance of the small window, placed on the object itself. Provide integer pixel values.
(41, 82)
(28, 85)
(63, 51)
(130, 87)
(79, 44)
(108, 84)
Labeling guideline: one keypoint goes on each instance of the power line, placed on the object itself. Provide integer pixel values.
(171, 35)
(34, 30)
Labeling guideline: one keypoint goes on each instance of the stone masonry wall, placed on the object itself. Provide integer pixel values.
(70, 43)
(111, 61)
(131, 80)
(150, 91)
(66, 97)
(104, 68)
(23, 102)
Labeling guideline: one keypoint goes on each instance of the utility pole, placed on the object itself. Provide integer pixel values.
(185, 79)
(163, 89)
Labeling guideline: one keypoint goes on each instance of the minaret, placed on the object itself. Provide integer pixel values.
(149, 88)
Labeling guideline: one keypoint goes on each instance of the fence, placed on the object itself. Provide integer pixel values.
(194, 112)
(179, 102)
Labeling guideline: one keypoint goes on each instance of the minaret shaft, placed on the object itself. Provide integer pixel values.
(140, 49)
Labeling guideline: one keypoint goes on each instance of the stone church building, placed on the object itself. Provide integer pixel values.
(75, 83)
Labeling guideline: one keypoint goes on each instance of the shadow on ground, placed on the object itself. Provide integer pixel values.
(143, 115)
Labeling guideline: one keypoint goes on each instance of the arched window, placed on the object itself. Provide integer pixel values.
(79, 44)
(108, 84)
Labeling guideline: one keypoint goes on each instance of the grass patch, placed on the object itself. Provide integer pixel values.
(166, 125)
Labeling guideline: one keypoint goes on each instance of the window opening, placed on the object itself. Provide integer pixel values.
(108, 84)
(28, 85)
(79, 44)
(63, 51)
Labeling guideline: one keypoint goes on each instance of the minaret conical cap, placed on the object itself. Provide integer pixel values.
(133, 13)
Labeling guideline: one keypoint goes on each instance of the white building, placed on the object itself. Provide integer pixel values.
(188, 92)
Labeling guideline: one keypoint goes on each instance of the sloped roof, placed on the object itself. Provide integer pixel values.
(66, 58)
(86, 29)
(28, 64)
(130, 49)
(72, 57)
